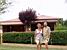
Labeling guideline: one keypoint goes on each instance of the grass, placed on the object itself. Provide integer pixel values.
(2, 47)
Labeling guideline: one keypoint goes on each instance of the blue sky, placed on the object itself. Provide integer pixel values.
(56, 8)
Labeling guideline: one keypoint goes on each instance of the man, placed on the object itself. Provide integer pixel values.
(46, 34)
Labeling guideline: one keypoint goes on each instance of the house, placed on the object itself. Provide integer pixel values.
(15, 25)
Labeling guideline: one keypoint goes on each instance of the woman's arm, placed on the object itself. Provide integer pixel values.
(35, 33)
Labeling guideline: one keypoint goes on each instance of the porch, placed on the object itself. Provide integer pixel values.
(15, 25)
(22, 28)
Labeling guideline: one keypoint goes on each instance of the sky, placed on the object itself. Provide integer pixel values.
(56, 8)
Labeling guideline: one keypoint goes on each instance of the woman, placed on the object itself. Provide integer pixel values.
(46, 34)
(38, 36)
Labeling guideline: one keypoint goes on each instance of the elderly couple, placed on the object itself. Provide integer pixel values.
(42, 35)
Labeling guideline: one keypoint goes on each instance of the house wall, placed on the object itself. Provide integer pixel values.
(21, 28)
(50, 24)
(13, 28)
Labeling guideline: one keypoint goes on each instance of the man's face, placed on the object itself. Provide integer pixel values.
(45, 24)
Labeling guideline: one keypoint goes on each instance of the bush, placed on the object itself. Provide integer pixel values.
(18, 37)
(60, 27)
(57, 37)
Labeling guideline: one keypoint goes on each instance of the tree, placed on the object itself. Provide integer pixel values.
(27, 17)
(61, 25)
(65, 23)
(3, 6)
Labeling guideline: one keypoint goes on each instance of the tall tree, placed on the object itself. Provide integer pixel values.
(27, 16)
(3, 6)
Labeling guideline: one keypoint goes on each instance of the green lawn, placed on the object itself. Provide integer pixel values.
(23, 48)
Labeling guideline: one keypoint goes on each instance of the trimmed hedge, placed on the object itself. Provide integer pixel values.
(17, 37)
(57, 37)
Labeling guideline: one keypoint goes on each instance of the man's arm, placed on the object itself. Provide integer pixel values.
(49, 31)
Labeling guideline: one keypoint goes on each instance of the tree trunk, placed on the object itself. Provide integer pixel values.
(30, 27)
(25, 28)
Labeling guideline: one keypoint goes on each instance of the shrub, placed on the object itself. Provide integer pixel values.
(18, 37)
(57, 37)
(60, 27)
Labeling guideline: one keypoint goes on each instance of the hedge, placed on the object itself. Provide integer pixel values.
(56, 37)
(59, 37)
(22, 37)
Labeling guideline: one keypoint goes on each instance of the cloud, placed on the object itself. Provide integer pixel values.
(57, 8)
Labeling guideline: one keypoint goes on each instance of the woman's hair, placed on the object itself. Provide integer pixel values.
(38, 23)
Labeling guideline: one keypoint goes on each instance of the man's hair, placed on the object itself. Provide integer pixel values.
(45, 21)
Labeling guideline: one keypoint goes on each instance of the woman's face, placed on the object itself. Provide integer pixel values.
(39, 25)
(45, 23)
